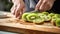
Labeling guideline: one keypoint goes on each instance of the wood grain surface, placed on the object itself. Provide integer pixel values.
(22, 25)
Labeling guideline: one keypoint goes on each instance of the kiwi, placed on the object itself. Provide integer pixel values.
(57, 15)
(32, 17)
(58, 22)
(38, 21)
(51, 14)
(41, 15)
(54, 20)
(24, 16)
(47, 18)
(46, 13)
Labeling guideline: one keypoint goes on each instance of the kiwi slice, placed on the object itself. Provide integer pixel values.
(47, 18)
(32, 17)
(58, 22)
(51, 14)
(24, 16)
(54, 18)
(41, 15)
(57, 15)
(38, 21)
(46, 13)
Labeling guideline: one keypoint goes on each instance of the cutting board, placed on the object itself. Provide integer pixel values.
(19, 23)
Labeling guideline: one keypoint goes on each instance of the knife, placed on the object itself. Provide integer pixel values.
(32, 5)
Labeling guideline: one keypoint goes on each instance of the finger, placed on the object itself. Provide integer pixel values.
(20, 14)
(43, 6)
(23, 10)
(38, 4)
(50, 4)
(48, 7)
(13, 10)
(17, 11)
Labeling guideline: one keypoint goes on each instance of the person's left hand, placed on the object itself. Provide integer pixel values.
(18, 8)
(44, 5)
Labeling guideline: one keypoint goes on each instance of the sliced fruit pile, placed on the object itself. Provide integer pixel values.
(41, 17)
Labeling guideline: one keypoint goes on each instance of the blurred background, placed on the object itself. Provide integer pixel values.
(5, 5)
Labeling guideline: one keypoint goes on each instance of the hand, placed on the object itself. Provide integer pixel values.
(44, 5)
(18, 8)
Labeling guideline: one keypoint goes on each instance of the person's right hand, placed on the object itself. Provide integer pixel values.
(18, 8)
(44, 5)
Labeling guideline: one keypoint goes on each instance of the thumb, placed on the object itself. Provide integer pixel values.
(38, 4)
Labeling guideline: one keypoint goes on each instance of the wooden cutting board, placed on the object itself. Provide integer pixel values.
(12, 22)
